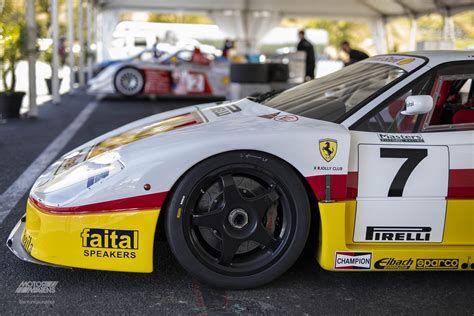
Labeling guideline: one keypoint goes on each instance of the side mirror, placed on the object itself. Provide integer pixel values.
(418, 104)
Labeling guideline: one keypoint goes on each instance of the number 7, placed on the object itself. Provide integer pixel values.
(414, 157)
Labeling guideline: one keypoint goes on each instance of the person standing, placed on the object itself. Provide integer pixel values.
(228, 45)
(354, 54)
(156, 52)
(305, 46)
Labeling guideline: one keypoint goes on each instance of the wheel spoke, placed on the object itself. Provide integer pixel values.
(263, 202)
(231, 193)
(228, 250)
(263, 237)
(212, 220)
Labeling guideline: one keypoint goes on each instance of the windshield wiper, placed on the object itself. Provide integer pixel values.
(265, 96)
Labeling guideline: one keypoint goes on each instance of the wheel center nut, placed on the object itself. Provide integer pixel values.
(238, 218)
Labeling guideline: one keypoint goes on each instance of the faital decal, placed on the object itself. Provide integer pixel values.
(397, 234)
(27, 242)
(109, 243)
(437, 264)
(328, 148)
(353, 260)
(392, 138)
(393, 264)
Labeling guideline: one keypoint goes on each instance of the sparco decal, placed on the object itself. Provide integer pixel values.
(390, 138)
(225, 109)
(113, 242)
(353, 260)
(397, 234)
(393, 264)
(437, 264)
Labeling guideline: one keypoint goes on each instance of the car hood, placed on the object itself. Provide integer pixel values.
(215, 118)
(159, 149)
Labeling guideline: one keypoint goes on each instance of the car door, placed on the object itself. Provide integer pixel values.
(411, 170)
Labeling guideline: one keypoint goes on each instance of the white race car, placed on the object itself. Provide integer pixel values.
(380, 154)
(181, 73)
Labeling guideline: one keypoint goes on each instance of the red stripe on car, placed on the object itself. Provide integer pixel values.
(141, 202)
(345, 187)
(461, 184)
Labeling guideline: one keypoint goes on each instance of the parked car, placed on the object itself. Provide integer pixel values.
(181, 73)
(378, 155)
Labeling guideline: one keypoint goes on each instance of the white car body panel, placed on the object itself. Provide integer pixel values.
(160, 160)
(177, 151)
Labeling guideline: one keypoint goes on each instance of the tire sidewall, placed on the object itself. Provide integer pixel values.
(134, 69)
(281, 172)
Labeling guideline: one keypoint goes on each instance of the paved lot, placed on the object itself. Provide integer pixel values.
(304, 289)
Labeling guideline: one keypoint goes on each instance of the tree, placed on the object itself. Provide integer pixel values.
(13, 38)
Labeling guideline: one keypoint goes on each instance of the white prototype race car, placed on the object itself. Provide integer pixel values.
(181, 73)
(380, 154)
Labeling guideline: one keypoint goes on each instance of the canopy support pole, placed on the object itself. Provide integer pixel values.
(55, 67)
(448, 27)
(413, 31)
(89, 38)
(31, 24)
(80, 35)
(70, 41)
(377, 27)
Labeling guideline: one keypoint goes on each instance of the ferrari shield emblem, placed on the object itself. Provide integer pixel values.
(328, 148)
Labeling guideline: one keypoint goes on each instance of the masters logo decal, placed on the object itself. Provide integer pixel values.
(328, 148)
(114, 243)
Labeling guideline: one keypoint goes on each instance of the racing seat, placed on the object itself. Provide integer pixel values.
(439, 105)
(465, 114)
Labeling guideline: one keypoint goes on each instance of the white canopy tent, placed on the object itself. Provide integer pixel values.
(247, 21)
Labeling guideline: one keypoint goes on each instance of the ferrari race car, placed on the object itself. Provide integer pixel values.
(182, 73)
(380, 154)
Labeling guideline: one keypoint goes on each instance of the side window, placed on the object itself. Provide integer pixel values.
(387, 118)
(453, 101)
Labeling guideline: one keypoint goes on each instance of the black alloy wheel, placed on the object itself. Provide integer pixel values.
(238, 220)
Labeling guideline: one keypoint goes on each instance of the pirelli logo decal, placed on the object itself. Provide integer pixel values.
(353, 260)
(397, 234)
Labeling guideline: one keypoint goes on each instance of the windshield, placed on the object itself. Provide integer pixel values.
(330, 97)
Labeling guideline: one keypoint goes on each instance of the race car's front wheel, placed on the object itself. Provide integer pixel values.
(129, 81)
(238, 220)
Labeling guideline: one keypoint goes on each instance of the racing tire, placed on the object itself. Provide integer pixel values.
(129, 81)
(238, 220)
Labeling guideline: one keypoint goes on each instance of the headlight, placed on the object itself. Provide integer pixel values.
(71, 176)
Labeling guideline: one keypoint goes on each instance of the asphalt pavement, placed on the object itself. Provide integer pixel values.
(305, 289)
